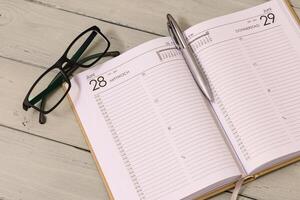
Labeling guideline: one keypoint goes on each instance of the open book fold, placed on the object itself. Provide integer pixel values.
(153, 134)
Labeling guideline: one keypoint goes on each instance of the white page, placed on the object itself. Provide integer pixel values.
(149, 125)
(254, 70)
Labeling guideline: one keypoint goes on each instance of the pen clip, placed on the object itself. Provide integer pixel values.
(175, 32)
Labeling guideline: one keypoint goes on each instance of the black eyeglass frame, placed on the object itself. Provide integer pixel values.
(93, 28)
(66, 71)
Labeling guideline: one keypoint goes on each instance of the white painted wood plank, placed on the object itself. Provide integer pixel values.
(38, 34)
(35, 168)
(15, 80)
(227, 196)
(36, 24)
(283, 184)
(151, 15)
(296, 4)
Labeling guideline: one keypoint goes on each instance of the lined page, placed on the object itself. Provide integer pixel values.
(149, 125)
(252, 60)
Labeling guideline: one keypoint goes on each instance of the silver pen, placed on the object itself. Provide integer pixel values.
(186, 50)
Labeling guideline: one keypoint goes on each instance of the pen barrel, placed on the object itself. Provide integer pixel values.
(197, 72)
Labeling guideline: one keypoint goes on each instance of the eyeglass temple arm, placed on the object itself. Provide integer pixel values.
(91, 57)
(42, 117)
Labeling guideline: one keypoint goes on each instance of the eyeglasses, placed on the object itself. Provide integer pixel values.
(85, 50)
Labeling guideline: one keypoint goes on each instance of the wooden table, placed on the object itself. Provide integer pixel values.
(52, 161)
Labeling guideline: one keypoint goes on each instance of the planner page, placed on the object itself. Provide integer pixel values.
(252, 61)
(149, 126)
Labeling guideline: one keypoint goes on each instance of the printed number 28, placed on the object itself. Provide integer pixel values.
(98, 83)
(268, 18)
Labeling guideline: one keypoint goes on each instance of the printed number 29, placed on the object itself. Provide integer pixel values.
(268, 18)
(98, 83)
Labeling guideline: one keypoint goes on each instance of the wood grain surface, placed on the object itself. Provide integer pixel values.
(52, 161)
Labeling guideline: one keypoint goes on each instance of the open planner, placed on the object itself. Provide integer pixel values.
(153, 134)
